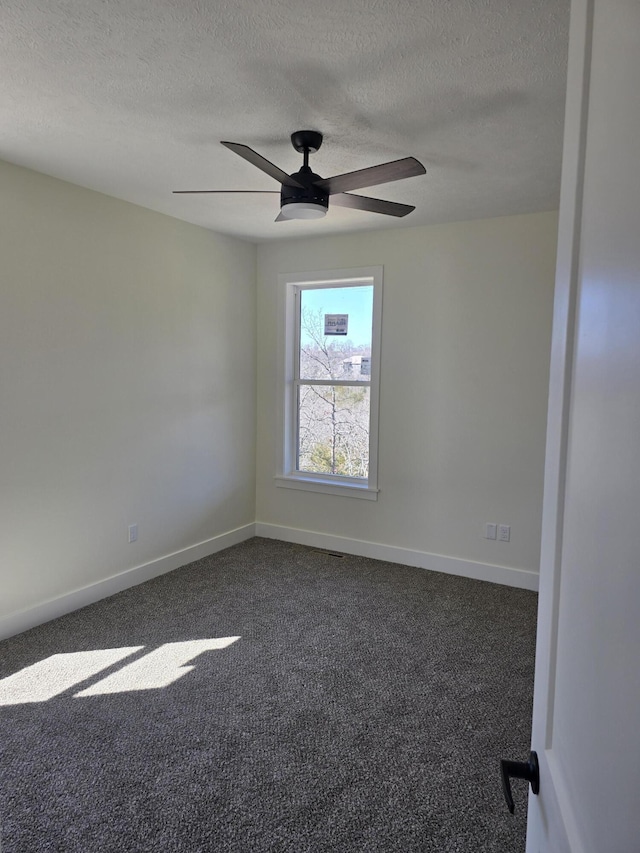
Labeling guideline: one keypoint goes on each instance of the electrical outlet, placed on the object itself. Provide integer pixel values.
(133, 533)
(490, 531)
(504, 533)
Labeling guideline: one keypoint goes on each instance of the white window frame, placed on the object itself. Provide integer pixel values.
(289, 286)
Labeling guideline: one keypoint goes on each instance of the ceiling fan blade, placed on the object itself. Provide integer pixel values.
(258, 160)
(408, 167)
(374, 205)
(261, 192)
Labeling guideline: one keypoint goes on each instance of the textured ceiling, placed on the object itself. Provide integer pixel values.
(132, 97)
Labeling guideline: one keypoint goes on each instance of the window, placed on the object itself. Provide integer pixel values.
(330, 355)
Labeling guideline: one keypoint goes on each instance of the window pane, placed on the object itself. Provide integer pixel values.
(333, 433)
(347, 314)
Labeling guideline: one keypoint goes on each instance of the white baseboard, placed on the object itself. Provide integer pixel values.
(15, 623)
(520, 578)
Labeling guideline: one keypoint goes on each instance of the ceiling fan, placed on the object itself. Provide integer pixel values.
(305, 195)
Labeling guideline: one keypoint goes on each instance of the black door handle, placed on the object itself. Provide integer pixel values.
(528, 770)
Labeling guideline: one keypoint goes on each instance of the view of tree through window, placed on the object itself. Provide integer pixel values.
(334, 374)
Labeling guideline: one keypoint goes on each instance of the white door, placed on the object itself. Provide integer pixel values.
(586, 723)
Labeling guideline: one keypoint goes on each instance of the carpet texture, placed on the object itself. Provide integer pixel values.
(364, 707)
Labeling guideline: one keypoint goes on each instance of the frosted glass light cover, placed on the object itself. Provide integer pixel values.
(303, 210)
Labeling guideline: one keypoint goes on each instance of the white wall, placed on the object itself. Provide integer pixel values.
(466, 335)
(128, 392)
(127, 386)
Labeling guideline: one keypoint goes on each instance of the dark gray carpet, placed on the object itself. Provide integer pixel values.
(365, 708)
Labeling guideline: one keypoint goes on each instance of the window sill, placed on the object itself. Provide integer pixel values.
(311, 484)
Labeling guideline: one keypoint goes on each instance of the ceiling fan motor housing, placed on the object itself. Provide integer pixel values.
(308, 192)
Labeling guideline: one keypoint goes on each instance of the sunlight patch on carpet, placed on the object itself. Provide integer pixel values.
(159, 668)
(58, 673)
(55, 674)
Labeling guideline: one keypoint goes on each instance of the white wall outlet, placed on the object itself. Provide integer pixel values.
(504, 532)
(133, 533)
(490, 531)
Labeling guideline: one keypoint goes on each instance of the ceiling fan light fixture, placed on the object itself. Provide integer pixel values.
(303, 210)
